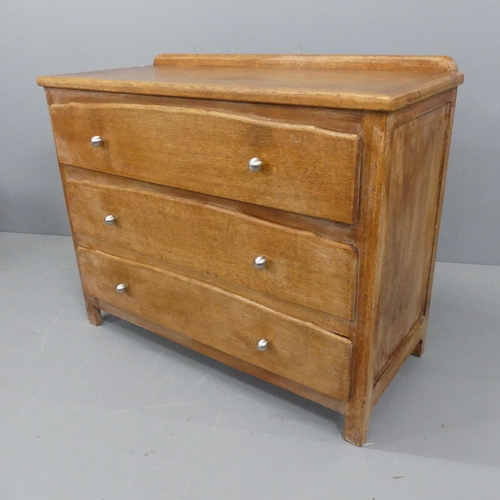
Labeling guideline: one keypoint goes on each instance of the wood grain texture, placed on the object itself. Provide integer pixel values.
(367, 238)
(369, 89)
(313, 61)
(325, 321)
(451, 102)
(409, 218)
(316, 272)
(306, 169)
(342, 233)
(251, 369)
(347, 121)
(299, 351)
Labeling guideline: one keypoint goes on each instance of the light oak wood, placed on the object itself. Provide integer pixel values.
(208, 152)
(419, 349)
(409, 217)
(375, 87)
(344, 321)
(312, 61)
(336, 120)
(297, 350)
(367, 238)
(343, 233)
(326, 321)
(319, 273)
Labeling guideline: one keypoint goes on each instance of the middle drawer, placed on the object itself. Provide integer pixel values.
(294, 265)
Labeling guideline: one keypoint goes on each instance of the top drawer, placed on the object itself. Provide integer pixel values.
(305, 169)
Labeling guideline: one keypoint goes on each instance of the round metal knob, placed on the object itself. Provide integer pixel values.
(109, 220)
(97, 141)
(259, 262)
(121, 287)
(262, 344)
(255, 164)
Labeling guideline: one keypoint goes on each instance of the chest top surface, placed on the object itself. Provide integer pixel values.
(379, 83)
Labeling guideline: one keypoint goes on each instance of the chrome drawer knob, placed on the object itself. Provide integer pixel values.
(97, 141)
(255, 164)
(259, 262)
(121, 287)
(109, 220)
(262, 344)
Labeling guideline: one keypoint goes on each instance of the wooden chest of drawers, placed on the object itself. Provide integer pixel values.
(277, 213)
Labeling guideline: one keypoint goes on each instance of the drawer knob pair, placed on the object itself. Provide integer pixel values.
(97, 141)
(255, 164)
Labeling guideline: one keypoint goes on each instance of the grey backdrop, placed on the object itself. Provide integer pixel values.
(61, 37)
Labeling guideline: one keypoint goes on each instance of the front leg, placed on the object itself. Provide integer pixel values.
(93, 312)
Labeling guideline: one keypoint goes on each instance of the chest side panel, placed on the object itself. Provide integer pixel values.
(410, 208)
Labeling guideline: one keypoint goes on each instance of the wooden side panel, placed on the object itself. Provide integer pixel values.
(297, 350)
(412, 192)
(301, 266)
(305, 169)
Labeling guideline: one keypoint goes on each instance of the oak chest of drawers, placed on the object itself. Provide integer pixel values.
(277, 213)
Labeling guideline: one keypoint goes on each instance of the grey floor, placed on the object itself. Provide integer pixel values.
(116, 412)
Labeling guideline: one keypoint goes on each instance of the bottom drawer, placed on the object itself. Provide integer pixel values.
(296, 350)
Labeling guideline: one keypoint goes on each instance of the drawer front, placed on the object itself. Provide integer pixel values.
(300, 266)
(305, 169)
(296, 350)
